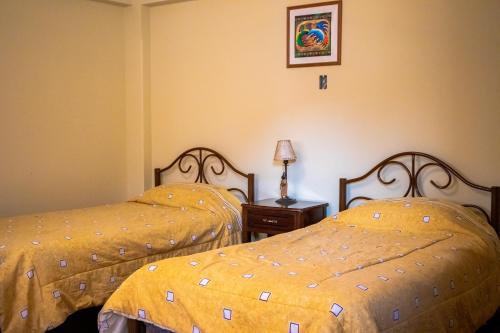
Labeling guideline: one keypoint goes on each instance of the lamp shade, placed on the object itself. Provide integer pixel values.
(284, 151)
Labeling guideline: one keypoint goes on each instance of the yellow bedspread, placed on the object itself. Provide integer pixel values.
(52, 264)
(402, 265)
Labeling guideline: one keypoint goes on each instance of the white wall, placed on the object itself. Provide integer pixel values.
(415, 75)
(93, 96)
(62, 116)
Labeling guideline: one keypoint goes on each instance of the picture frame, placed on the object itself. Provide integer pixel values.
(314, 33)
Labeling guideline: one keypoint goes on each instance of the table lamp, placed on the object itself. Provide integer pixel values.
(284, 152)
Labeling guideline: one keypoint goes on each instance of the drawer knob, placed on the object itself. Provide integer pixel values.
(266, 220)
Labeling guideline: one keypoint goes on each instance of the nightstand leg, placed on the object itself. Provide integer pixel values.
(245, 237)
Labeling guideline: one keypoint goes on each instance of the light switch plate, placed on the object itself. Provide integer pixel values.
(323, 82)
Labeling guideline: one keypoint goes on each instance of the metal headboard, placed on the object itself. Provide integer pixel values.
(414, 190)
(204, 160)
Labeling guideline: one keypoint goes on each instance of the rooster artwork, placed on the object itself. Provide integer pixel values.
(312, 35)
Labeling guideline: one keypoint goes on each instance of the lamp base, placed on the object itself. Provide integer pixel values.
(286, 201)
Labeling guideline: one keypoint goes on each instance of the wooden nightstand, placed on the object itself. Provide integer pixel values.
(266, 216)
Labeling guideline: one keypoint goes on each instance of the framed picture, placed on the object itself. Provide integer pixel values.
(314, 34)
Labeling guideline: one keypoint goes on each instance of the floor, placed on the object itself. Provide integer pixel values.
(493, 325)
(85, 321)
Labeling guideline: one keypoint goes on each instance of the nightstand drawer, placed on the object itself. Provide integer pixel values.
(271, 218)
(276, 221)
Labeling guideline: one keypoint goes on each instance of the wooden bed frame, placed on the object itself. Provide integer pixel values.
(203, 160)
(414, 189)
(413, 171)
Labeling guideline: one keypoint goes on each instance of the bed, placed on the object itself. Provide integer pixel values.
(406, 264)
(55, 263)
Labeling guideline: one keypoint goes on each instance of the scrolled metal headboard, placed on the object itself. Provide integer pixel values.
(413, 188)
(202, 158)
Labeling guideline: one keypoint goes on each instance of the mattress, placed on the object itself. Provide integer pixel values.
(53, 264)
(400, 265)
